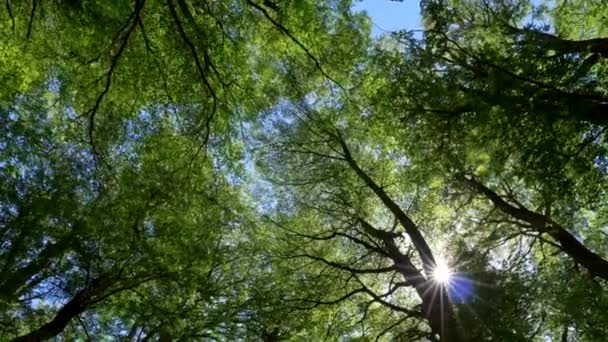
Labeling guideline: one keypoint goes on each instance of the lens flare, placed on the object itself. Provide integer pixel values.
(442, 273)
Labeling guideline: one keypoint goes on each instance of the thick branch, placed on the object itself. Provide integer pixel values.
(10, 287)
(564, 46)
(580, 107)
(10, 14)
(77, 305)
(436, 305)
(410, 227)
(568, 243)
(31, 22)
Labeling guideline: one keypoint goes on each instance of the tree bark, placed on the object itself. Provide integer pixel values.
(588, 111)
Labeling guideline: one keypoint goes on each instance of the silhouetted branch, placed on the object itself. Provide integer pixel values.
(31, 22)
(134, 19)
(568, 243)
(348, 268)
(10, 14)
(150, 49)
(295, 40)
(202, 75)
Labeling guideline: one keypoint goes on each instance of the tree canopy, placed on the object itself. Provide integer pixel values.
(259, 170)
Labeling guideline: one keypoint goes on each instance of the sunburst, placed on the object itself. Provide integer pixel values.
(442, 273)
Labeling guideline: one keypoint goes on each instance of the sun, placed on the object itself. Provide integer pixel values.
(442, 273)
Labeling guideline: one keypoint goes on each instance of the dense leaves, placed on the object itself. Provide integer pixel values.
(266, 170)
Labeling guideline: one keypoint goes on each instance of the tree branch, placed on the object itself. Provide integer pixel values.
(31, 22)
(295, 40)
(199, 67)
(134, 18)
(348, 268)
(423, 249)
(568, 243)
(10, 14)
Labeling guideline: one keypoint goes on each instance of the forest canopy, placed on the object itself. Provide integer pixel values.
(270, 170)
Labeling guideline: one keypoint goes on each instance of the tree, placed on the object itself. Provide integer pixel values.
(76, 237)
(335, 211)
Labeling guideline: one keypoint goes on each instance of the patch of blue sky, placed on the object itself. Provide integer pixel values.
(539, 17)
(389, 16)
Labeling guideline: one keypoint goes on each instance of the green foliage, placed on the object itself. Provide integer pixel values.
(265, 170)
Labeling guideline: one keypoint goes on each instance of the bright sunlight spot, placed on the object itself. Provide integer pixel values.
(442, 273)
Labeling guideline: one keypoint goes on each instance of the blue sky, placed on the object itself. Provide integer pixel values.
(391, 15)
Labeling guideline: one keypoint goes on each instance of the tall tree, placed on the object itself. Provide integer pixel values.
(359, 222)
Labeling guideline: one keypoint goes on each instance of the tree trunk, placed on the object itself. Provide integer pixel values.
(436, 304)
